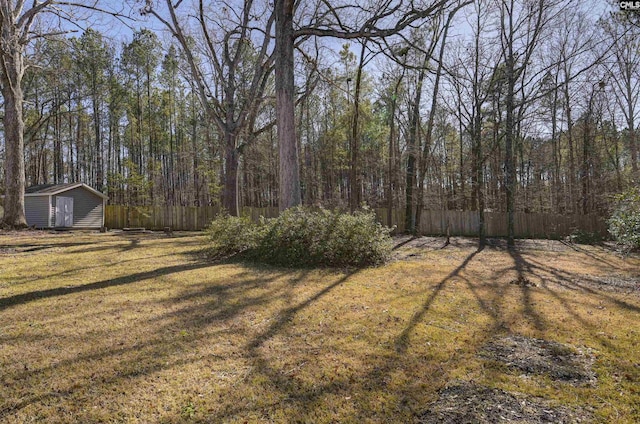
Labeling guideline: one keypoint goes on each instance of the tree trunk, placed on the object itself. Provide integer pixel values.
(392, 135)
(354, 175)
(572, 163)
(58, 162)
(509, 165)
(412, 150)
(584, 177)
(477, 174)
(510, 133)
(633, 146)
(432, 113)
(289, 192)
(11, 77)
(555, 144)
(230, 186)
(463, 198)
(98, 139)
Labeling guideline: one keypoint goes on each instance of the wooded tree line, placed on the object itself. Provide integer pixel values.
(120, 118)
(491, 105)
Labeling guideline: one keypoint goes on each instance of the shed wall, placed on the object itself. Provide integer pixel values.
(37, 210)
(87, 208)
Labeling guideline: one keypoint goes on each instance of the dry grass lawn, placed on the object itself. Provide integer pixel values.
(143, 328)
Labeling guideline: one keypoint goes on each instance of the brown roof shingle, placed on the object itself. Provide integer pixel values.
(47, 188)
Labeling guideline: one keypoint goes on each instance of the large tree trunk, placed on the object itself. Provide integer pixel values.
(11, 76)
(555, 143)
(412, 151)
(391, 165)
(289, 191)
(509, 165)
(478, 160)
(510, 131)
(230, 184)
(478, 169)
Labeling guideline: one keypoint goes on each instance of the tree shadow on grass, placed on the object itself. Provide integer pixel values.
(293, 391)
(124, 244)
(19, 299)
(524, 268)
(587, 252)
(547, 277)
(401, 242)
(286, 315)
(402, 341)
(207, 304)
(568, 280)
(302, 397)
(156, 353)
(209, 311)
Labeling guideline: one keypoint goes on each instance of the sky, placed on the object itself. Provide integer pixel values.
(119, 29)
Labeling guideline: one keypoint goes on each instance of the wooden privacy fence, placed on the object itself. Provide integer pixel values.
(526, 225)
(432, 222)
(179, 218)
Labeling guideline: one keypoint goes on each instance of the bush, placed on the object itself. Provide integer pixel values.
(301, 237)
(584, 237)
(358, 239)
(293, 238)
(624, 223)
(231, 235)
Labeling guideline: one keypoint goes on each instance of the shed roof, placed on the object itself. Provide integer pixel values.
(52, 189)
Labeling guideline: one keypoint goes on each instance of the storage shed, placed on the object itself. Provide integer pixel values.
(73, 205)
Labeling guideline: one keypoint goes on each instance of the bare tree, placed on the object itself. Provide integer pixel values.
(413, 148)
(378, 21)
(14, 36)
(375, 21)
(522, 23)
(354, 174)
(625, 75)
(424, 160)
(474, 74)
(231, 73)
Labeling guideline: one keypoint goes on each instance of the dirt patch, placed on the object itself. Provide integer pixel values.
(435, 243)
(547, 245)
(523, 282)
(431, 243)
(542, 357)
(468, 402)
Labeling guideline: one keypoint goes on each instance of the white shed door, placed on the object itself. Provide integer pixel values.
(64, 211)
